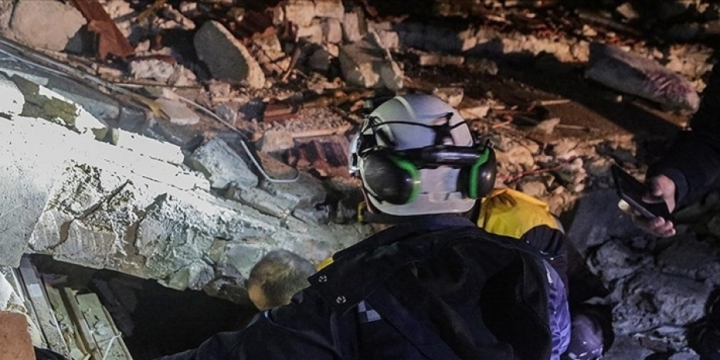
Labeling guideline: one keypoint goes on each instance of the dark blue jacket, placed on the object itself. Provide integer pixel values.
(435, 288)
(693, 160)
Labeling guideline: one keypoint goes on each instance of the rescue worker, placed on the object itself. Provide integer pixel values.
(277, 277)
(434, 286)
(690, 169)
(691, 166)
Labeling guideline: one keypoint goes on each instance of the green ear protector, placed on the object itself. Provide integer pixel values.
(394, 176)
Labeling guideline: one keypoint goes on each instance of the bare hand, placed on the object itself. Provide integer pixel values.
(662, 188)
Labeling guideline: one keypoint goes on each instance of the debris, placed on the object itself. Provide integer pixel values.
(353, 26)
(451, 95)
(226, 57)
(110, 40)
(44, 103)
(177, 112)
(633, 74)
(276, 140)
(547, 126)
(147, 146)
(365, 63)
(37, 303)
(300, 12)
(222, 165)
(333, 9)
(62, 33)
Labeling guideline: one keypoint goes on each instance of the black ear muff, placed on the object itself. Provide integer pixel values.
(390, 178)
(478, 180)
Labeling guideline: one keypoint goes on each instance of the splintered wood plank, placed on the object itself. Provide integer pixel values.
(110, 39)
(43, 312)
(70, 333)
(104, 332)
(14, 337)
(80, 323)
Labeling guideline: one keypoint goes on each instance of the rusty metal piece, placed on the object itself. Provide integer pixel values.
(254, 25)
(110, 40)
(327, 155)
(280, 111)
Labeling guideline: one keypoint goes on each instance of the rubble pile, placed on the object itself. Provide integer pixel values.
(160, 138)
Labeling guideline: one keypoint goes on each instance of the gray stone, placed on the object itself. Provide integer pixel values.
(615, 260)
(307, 191)
(194, 276)
(688, 257)
(226, 57)
(597, 218)
(627, 348)
(650, 299)
(319, 60)
(178, 112)
(57, 35)
(365, 63)
(260, 200)
(222, 165)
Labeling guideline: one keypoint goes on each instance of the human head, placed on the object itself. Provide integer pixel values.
(277, 277)
(416, 155)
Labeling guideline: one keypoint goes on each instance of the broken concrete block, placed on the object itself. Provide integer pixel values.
(178, 112)
(147, 146)
(12, 100)
(226, 57)
(57, 35)
(274, 140)
(332, 31)
(151, 69)
(451, 95)
(194, 276)
(29, 170)
(300, 12)
(271, 56)
(260, 200)
(475, 110)
(389, 39)
(41, 102)
(367, 64)
(352, 28)
(329, 9)
(634, 74)
(307, 191)
(313, 33)
(222, 165)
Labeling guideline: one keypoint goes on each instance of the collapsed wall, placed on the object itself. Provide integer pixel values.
(141, 211)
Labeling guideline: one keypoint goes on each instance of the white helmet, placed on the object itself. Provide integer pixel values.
(416, 156)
